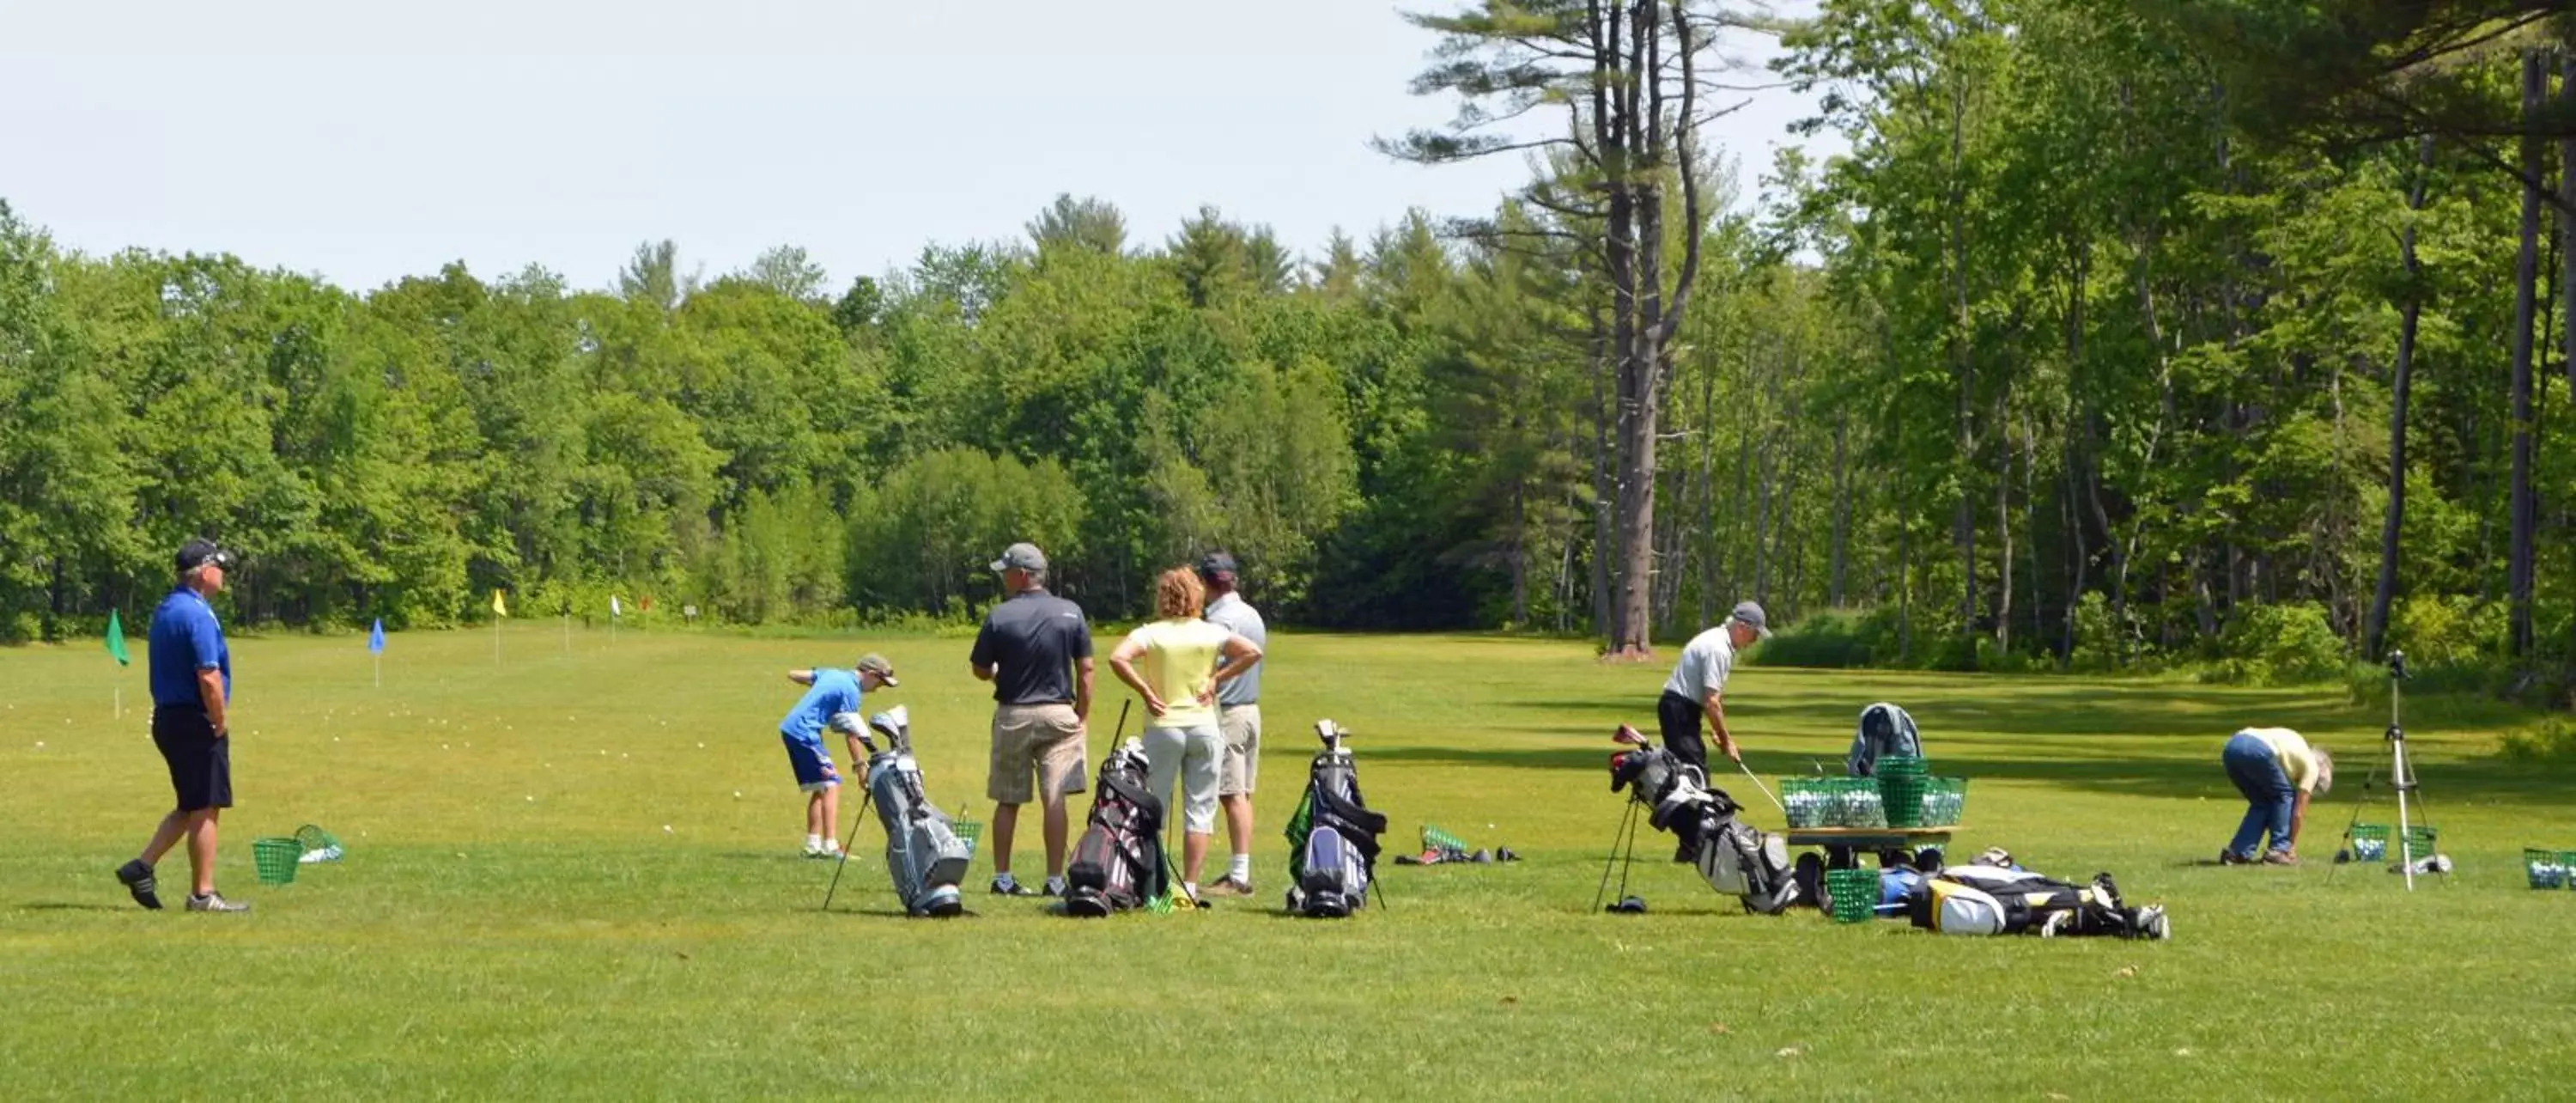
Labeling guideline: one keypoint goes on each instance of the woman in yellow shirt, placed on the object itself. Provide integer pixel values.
(1179, 674)
(2277, 771)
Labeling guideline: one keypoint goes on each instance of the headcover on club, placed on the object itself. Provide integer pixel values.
(849, 724)
(1628, 905)
(896, 723)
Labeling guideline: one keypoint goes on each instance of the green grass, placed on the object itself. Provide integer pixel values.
(513, 921)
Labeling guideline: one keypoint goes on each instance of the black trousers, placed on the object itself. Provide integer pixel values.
(1680, 719)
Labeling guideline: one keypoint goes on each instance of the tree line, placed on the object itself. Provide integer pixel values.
(2109, 342)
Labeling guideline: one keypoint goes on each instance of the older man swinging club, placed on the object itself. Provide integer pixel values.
(1696, 687)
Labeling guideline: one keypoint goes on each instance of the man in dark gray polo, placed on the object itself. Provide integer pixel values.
(1035, 648)
(192, 689)
(1238, 716)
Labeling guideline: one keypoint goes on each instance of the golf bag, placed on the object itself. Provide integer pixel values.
(1994, 900)
(1333, 836)
(1118, 863)
(1733, 857)
(922, 850)
(1885, 729)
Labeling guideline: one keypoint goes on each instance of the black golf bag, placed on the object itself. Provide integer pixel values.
(1884, 730)
(1333, 836)
(1998, 900)
(1118, 863)
(1733, 857)
(923, 852)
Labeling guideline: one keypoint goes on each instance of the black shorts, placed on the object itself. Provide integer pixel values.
(201, 766)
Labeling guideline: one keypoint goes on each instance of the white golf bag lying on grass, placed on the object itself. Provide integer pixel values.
(923, 852)
(1997, 899)
(1735, 858)
(1333, 836)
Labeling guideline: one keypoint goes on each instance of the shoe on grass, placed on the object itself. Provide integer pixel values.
(215, 902)
(137, 878)
(2232, 858)
(1229, 885)
(1053, 888)
(2280, 858)
(1007, 885)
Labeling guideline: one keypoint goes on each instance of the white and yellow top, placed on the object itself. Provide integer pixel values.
(2297, 759)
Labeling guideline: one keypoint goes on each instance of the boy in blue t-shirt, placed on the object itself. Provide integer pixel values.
(832, 692)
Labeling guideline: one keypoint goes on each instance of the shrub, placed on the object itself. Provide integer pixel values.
(1835, 638)
(2278, 645)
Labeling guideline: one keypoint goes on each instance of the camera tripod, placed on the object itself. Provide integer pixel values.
(2401, 775)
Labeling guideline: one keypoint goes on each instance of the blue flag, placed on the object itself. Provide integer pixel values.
(376, 637)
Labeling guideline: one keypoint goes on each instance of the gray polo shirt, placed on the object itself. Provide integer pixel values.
(1706, 661)
(1239, 617)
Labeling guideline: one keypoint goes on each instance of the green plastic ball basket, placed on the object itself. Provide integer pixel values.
(317, 844)
(2547, 869)
(277, 859)
(2421, 843)
(969, 832)
(1851, 895)
(2369, 842)
(1944, 800)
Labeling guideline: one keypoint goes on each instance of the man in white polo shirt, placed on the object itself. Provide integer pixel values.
(1696, 687)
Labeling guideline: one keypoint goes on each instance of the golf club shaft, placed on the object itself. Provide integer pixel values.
(865, 796)
(1757, 783)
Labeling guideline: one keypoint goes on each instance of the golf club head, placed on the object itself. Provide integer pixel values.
(849, 724)
(896, 723)
(1628, 905)
(1331, 733)
(1628, 736)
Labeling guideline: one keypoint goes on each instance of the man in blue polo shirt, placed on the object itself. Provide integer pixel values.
(833, 701)
(192, 689)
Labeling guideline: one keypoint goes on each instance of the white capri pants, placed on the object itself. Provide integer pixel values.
(1189, 754)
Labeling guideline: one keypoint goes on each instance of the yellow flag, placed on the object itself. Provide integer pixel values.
(499, 609)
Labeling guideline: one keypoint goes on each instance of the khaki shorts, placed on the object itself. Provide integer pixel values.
(1241, 764)
(1044, 744)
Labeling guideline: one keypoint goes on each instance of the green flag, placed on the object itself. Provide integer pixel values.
(116, 639)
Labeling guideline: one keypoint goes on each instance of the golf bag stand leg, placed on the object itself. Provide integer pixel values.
(865, 795)
(1626, 837)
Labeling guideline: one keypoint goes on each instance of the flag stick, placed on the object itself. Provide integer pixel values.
(120, 702)
(380, 670)
(496, 639)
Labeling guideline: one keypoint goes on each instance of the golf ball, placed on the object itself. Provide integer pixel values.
(666, 829)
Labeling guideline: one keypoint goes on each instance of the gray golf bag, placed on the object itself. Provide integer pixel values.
(923, 852)
(1884, 730)
(1333, 836)
(1734, 858)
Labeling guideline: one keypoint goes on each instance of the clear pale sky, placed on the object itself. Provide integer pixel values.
(366, 141)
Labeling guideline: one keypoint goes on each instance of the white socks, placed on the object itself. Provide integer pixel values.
(813, 842)
(1241, 871)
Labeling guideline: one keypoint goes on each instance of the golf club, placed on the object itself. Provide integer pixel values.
(865, 795)
(1757, 783)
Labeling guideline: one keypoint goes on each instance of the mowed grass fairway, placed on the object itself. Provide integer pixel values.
(512, 919)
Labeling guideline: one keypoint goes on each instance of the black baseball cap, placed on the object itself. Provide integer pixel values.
(201, 551)
(1216, 563)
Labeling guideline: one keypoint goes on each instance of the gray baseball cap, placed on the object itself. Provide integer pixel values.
(873, 663)
(1751, 614)
(1022, 556)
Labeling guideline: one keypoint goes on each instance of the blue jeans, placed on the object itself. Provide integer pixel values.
(2257, 773)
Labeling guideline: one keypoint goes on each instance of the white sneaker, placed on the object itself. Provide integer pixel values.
(826, 850)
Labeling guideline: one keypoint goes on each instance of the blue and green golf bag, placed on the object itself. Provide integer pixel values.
(1333, 836)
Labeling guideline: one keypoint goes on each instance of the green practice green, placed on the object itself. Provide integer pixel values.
(573, 873)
